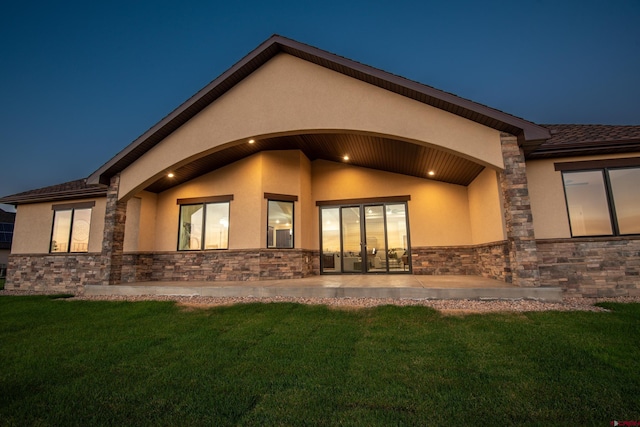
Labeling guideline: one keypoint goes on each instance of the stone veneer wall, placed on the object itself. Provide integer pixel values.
(593, 267)
(521, 242)
(113, 238)
(54, 272)
(487, 260)
(236, 265)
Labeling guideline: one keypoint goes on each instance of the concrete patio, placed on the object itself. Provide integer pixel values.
(342, 286)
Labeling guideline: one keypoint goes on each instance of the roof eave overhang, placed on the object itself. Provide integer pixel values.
(530, 135)
(584, 149)
(54, 197)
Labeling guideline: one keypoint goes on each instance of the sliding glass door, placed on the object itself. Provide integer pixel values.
(375, 239)
(351, 253)
(365, 238)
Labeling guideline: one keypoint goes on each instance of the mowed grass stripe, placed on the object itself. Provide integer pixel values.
(155, 363)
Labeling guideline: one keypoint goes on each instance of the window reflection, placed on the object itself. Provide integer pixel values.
(204, 226)
(587, 203)
(625, 185)
(280, 224)
(70, 230)
(365, 238)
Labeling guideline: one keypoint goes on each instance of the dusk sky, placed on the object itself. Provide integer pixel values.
(80, 80)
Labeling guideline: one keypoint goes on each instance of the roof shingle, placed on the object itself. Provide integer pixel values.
(572, 139)
(65, 191)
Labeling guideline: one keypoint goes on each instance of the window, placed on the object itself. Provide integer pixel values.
(71, 226)
(6, 232)
(280, 224)
(625, 189)
(204, 226)
(603, 202)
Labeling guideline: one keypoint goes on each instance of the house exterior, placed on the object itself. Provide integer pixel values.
(6, 236)
(298, 162)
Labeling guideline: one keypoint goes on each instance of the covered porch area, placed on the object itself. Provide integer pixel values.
(342, 286)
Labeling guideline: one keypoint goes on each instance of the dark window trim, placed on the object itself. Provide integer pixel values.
(203, 200)
(384, 204)
(613, 216)
(197, 201)
(281, 197)
(365, 201)
(70, 206)
(293, 219)
(597, 164)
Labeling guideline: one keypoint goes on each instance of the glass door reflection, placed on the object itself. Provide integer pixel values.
(375, 239)
(351, 241)
(397, 241)
(331, 259)
(366, 238)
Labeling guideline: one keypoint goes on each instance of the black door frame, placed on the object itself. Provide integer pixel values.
(362, 205)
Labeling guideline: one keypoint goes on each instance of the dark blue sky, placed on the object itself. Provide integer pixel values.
(80, 80)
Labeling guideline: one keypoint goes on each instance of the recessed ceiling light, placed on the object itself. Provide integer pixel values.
(431, 173)
(251, 141)
(345, 158)
(170, 175)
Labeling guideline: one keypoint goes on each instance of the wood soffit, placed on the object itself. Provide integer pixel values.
(363, 150)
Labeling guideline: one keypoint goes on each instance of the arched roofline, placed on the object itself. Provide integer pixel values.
(530, 135)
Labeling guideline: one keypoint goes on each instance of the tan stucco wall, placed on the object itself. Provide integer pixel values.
(243, 180)
(140, 225)
(132, 224)
(548, 204)
(288, 172)
(147, 234)
(280, 172)
(288, 95)
(485, 208)
(438, 212)
(306, 206)
(32, 230)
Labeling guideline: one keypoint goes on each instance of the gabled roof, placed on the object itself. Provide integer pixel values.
(530, 135)
(65, 191)
(539, 141)
(567, 139)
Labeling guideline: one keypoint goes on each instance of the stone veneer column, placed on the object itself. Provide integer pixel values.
(523, 254)
(113, 239)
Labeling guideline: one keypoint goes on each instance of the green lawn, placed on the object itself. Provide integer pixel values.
(153, 363)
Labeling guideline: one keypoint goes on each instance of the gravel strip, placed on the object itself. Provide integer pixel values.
(453, 307)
